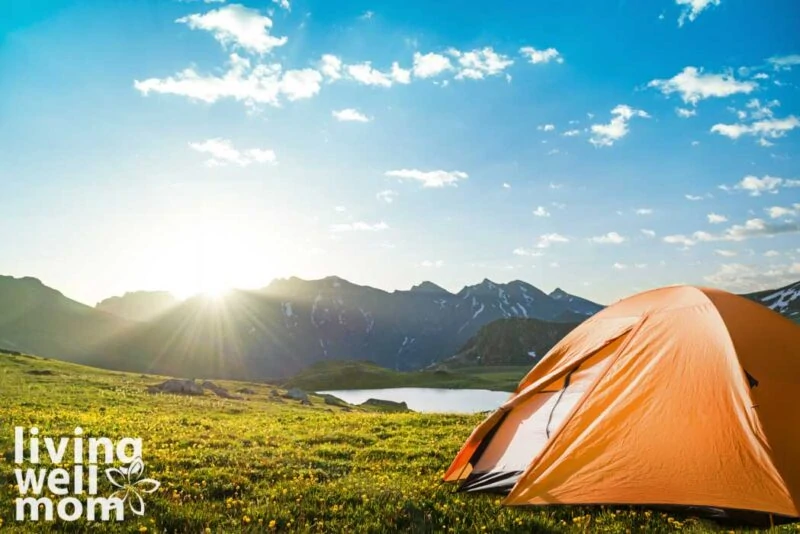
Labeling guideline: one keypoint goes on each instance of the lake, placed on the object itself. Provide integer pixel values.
(430, 400)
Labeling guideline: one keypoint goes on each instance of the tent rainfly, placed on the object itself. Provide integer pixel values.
(680, 396)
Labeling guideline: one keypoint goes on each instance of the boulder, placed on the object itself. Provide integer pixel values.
(296, 394)
(219, 391)
(246, 391)
(177, 386)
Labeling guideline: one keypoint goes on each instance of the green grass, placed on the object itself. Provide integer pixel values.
(266, 464)
(367, 375)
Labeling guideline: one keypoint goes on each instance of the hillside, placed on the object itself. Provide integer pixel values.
(37, 319)
(368, 375)
(510, 342)
(576, 304)
(785, 300)
(139, 305)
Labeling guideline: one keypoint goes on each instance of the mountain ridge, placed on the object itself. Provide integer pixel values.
(275, 331)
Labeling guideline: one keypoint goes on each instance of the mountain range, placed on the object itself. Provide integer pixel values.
(275, 331)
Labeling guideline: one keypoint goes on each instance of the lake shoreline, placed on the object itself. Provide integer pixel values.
(428, 400)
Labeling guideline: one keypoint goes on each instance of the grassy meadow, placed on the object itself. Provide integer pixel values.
(267, 464)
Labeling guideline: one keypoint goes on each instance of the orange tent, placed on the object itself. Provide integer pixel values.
(680, 396)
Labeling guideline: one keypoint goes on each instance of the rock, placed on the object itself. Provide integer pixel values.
(219, 391)
(334, 401)
(41, 372)
(296, 394)
(305, 402)
(177, 386)
(274, 393)
(385, 405)
(246, 391)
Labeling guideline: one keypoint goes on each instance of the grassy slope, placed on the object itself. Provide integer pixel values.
(231, 466)
(366, 375)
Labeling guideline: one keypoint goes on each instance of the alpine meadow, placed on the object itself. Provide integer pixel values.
(399, 266)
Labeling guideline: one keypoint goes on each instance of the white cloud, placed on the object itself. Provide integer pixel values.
(695, 143)
(611, 238)
(350, 115)
(236, 26)
(725, 253)
(620, 266)
(756, 186)
(784, 62)
(559, 205)
(644, 211)
(738, 232)
(746, 278)
(222, 152)
(693, 8)
(429, 263)
(387, 195)
(367, 15)
(693, 197)
(431, 64)
(400, 75)
(541, 56)
(262, 84)
(339, 209)
(479, 63)
(527, 252)
(541, 211)
(554, 185)
(331, 67)
(772, 128)
(693, 85)
(776, 212)
(300, 84)
(678, 239)
(359, 226)
(648, 233)
(685, 113)
(571, 133)
(284, 4)
(506, 185)
(430, 178)
(607, 134)
(715, 218)
(761, 111)
(548, 239)
(761, 76)
(546, 127)
(365, 74)
(772, 254)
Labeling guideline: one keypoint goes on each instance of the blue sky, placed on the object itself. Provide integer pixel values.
(602, 146)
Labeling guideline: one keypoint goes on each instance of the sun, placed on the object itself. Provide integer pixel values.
(212, 256)
(215, 291)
